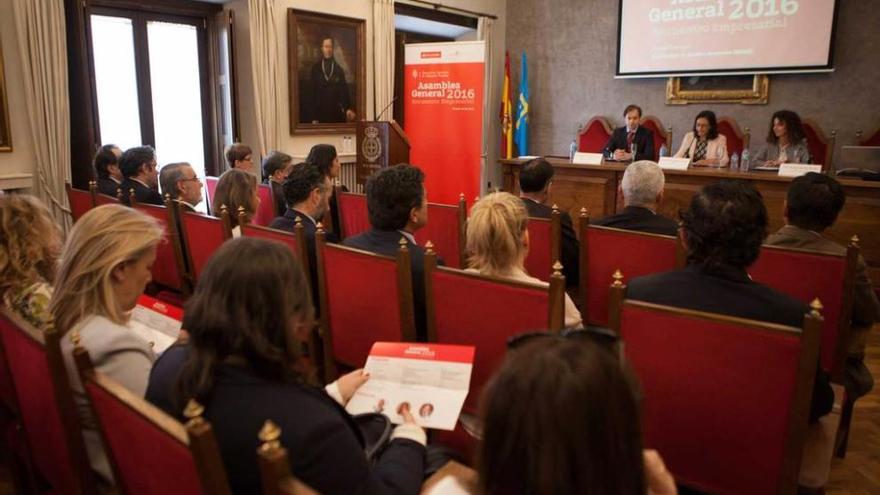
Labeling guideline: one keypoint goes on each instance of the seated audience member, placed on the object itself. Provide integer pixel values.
(326, 158)
(29, 249)
(181, 182)
(236, 189)
(527, 450)
(619, 146)
(535, 180)
(704, 145)
(242, 364)
(498, 242)
(723, 230)
(811, 206)
(138, 165)
(786, 141)
(642, 189)
(397, 205)
(276, 166)
(239, 156)
(109, 176)
(105, 266)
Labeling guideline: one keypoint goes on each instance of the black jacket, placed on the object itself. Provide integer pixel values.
(277, 196)
(569, 248)
(327, 449)
(386, 242)
(142, 193)
(641, 220)
(644, 140)
(108, 186)
(730, 291)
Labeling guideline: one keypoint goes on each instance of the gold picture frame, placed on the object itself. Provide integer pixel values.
(5, 131)
(718, 89)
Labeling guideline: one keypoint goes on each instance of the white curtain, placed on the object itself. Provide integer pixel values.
(43, 49)
(484, 33)
(383, 57)
(264, 66)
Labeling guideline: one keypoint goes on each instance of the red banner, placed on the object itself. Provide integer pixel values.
(443, 104)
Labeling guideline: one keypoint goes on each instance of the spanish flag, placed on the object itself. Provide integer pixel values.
(506, 113)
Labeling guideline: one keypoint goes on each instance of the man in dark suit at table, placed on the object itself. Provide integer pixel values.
(535, 180)
(642, 190)
(811, 206)
(106, 163)
(723, 230)
(397, 204)
(138, 165)
(619, 147)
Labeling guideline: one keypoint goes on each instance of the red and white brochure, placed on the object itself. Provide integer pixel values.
(158, 322)
(432, 380)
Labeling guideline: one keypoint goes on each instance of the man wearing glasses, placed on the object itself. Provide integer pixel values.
(138, 166)
(180, 181)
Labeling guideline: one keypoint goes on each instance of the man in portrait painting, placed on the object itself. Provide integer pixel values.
(330, 100)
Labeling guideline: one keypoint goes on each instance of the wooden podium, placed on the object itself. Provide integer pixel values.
(379, 145)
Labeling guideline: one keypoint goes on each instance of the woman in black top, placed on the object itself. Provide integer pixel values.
(324, 156)
(246, 323)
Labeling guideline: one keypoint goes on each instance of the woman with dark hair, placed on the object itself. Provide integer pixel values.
(236, 188)
(242, 364)
(704, 145)
(786, 141)
(526, 449)
(327, 160)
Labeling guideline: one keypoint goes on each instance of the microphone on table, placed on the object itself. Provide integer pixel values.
(386, 108)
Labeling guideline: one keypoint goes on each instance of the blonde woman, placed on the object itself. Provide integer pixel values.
(235, 189)
(29, 248)
(498, 242)
(106, 264)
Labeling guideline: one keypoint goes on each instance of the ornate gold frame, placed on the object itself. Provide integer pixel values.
(758, 95)
(5, 131)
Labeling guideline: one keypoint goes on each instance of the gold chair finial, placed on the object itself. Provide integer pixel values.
(429, 247)
(557, 268)
(618, 278)
(402, 243)
(298, 220)
(461, 196)
(319, 227)
(584, 212)
(816, 307)
(854, 240)
(193, 412)
(554, 207)
(269, 434)
(75, 338)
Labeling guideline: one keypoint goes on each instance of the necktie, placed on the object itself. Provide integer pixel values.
(629, 139)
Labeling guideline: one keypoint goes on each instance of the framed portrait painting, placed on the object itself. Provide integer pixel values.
(5, 131)
(326, 72)
(744, 89)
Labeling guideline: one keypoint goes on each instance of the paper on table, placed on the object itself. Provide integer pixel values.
(431, 379)
(157, 322)
(449, 485)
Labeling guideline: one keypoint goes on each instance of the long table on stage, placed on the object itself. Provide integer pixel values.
(595, 187)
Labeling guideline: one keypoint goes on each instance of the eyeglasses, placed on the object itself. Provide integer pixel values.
(196, 178)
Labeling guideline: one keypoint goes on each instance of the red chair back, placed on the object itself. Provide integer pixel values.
(470, 309)
(736, 140)
(593, 135)
(725, 400)
(103, 199)
(211, 188)
(80, 201)
(202, 236)
(266, 211)
(291, 240)
(661, 135)
(353, 215)
(445, 230)
(169, 265)
(820, 147)
(807, 275)
(872, 140)
(150, 452)
(365, 298)
(605, 250)
(545, 236)
(47, 411)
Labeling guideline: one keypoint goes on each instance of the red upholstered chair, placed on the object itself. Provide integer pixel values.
(808, 275)
(169, 268)
(873, 139)
(353, 215)
(545, 238)
(266, 210)
(149, 451)
(662, 135)
(594, 134)
(275, 465)
(80, 201)
(725, 400)
(446, 230)
(202, 235)
(365, 298)
(605, 250)
(291, 240)
(103, 199)
(821, 147)
(210, 188)
(50, 418)
(737, 141)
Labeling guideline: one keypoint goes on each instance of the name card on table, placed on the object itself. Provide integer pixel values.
(581, 158)
(798, 169)
(431, 380)
(670, 163)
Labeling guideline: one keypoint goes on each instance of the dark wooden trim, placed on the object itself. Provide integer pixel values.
(845, 321)
(173, 7)
(616, 295)
(584, 261)
(174, 226)
(430, 261)
(555, 236)
(556, 303)
(435, 15)
(462, 230)
(405, 293)
(274, 468)
(233, 79)
(80, 84)
(330, 370)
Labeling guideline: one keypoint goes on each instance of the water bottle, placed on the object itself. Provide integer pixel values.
(734, 163)
(744, 163)
(663, 150)
(572, 150)
(634, 151)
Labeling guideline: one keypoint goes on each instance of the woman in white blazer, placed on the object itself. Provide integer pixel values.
(704, 145)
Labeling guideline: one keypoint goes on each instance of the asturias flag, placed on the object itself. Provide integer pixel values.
(506, 112)
(521, 132)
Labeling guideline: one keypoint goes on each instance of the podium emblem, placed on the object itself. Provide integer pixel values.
(371, 148)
